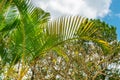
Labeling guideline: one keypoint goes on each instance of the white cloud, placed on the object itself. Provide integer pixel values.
(87, 8)
(118, 15)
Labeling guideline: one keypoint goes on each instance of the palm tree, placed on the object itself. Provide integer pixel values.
(26, 35)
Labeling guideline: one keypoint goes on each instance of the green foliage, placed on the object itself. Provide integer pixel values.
(105, 31)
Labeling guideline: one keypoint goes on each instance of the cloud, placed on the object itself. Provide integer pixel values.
(87, 8)
(118, 15)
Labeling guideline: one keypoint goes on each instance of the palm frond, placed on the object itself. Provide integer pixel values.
(64, 26)
(75, 28)
(71, 26)
(31, 14)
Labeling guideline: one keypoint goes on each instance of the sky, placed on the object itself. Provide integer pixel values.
(106, 10)
(113, 17)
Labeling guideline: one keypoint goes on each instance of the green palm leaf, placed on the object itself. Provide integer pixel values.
(75, 28)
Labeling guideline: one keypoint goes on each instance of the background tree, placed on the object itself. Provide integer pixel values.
(108, 32)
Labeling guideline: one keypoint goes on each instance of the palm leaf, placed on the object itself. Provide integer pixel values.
(75, 28)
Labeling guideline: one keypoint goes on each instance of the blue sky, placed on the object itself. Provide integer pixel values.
(106, 10)
(113, 17)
